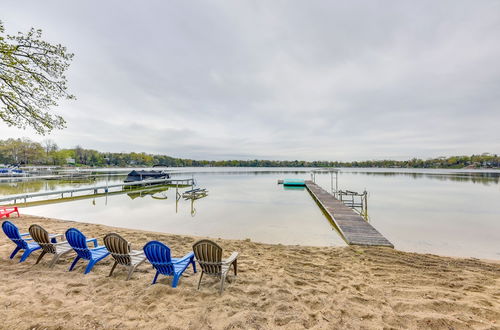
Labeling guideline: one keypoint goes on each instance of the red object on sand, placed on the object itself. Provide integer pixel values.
(6, 211)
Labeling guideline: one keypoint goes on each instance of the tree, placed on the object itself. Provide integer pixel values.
(31, 152)
(50, 147)
(21, 151)
(10, 151)
(79, 156)
(32, 80)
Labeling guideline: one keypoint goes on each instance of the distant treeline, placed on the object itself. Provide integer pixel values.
(27, 152)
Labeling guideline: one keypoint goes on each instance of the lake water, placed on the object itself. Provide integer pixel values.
(447, 212)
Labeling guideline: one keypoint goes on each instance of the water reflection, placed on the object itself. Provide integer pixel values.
(473, 176)
(437, 211)
(237, 207)
(32, 186)
(155, 193)
(299, 188)
(433, 211)
(485, 178)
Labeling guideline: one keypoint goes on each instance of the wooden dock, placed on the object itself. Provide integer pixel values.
(353, 228)
(94, 190)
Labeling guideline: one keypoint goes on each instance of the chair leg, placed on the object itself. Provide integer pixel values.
(194, 265)
(74, 263)
(40, 257)
(113, 268)
(89, 267)
(222, 278)
(235, 267)
(13, 254)
(175, 280)
(155, 278)
(201, 276)
(54, 260)
(130, 271)
(26, 254)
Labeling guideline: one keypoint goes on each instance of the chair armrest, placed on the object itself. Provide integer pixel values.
(98, 248)
(63, 242)
(53, 237)
(187, 256)
(28, 238)
(136, 253)
(231, 259)
(92, 240)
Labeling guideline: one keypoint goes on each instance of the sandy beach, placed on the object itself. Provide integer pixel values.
(291, 287)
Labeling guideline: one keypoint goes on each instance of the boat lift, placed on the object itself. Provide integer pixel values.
(355, 200)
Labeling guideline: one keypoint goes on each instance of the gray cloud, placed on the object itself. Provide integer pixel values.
(276, 80)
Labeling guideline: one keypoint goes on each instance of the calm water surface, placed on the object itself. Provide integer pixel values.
(446, 212)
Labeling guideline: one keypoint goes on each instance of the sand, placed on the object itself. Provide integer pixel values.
(290, 287)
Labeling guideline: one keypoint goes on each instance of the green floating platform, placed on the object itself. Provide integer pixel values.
(294, 183)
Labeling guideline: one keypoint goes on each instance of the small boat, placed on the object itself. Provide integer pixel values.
(294, 183)
(11, 172)
(138, 176)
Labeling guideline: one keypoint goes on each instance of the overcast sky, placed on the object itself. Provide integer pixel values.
(312, 80)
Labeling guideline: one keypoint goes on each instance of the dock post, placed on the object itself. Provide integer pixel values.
(331, 182)
(177, 198)
(336, 183)
(365, 206)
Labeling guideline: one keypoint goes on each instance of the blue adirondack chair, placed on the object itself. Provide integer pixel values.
(78, 242)
(158, 255)
(21, 242)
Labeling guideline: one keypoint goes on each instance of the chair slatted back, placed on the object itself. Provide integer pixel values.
(119, 248)
(78, 242)
(159, 256)
(12, 232)
(41, 236)
(209, 256)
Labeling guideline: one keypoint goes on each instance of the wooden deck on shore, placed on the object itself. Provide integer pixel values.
(354, 229)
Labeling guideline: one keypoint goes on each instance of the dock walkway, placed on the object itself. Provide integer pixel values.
(94, 190)
(354, 229)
